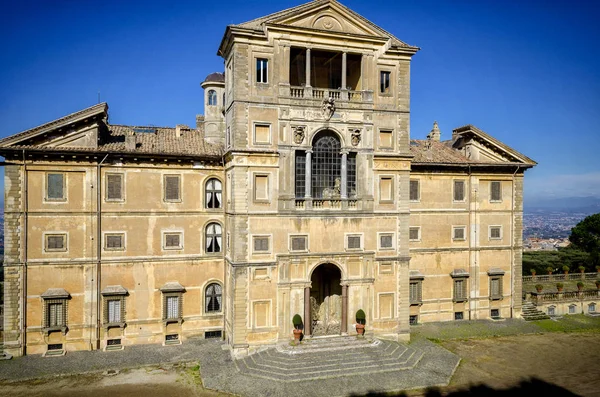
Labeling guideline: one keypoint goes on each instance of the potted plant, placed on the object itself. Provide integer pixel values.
(579, 286)
(360, 322)
(549, 269)
(539, 288)
(559, 287)
(581, 269)
(297, 321)
(532, 270)
(598, 268)
(597, 284)
(565, 269)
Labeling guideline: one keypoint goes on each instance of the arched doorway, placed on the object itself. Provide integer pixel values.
(327, 306)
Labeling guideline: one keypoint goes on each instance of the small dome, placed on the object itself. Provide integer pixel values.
(214, 78)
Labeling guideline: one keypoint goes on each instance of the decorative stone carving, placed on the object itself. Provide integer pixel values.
(299, 133)
(355, 139)
(328, 107)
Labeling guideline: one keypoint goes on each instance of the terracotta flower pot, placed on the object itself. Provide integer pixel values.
(559, 289)
(297, 335)
(360, 329)
(539, 290)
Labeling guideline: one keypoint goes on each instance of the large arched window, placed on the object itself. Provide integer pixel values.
(213, 298)
(212, 98)
(213, 193)
(214, 238)
(326, 167)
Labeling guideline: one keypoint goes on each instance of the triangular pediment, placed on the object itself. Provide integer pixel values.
(80, 129)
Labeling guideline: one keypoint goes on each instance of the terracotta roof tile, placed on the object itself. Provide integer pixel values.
(439, 152)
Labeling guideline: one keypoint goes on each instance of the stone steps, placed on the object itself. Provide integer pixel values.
(530, 312)
(344, 356)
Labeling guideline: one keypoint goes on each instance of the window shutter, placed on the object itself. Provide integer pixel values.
(55, 187)
(114, 188)
(386, 241)
(413, 233)
(495, 232)
(56, 242)
(261, 244)
(459, 190)
(414, 190)
(114, 241)
(459, 233)
(172, 188)
(496, 191)
(354, 242)
(172, 307)
(298, 243)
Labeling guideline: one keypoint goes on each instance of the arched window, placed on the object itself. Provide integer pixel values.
(213, 193)
(326, 167)
(212, 98)
(212, 298)
(214, 237)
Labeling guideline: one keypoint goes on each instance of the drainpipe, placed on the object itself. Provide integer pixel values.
(24, 296)
(512, 249)
(98, 248)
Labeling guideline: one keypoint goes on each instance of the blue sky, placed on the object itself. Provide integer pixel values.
(524, 71)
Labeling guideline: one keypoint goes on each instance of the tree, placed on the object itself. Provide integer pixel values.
(586, 236)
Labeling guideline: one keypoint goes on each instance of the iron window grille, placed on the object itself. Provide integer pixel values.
(213, 334)
(495, 313)
(300, 174)
(214, 193)
(326, 167)
(459, 315)
(213, 298)
(413, 319)
(214, 238)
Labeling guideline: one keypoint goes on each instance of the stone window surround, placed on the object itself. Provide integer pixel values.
(164, 181)
(292, 236)
(262, 124)
(362, 241)
(381, 234)
(105, 236)
(490, 232)
(172, 289)
(496, 274)
(47, 234)
(458, 227)
(112, 200)
(460, 275)
(258, 79)
(269, 238)
(62, 200)
(164, 234)
(115, 292)
(55, 296)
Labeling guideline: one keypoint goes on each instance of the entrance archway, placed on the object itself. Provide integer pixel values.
(326, 302)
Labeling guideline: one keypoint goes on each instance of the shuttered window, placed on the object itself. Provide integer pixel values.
(299, 243)
(460, 290)
(415, 292)
(55, 186)
(458, 233)
(114, 311)
(172, 188)
(261, 244)
(414, 234)
(173, 240)
(386, 241)
(495, 232)
(114, 187)
(386, 189)
(354, 242)
(415, 194)
(172, 306)
(495, 191)
(56, 315)
(459, 190)
(114, 242)
(56, 242)
(496, 288)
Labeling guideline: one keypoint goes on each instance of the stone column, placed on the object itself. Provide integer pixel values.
(344, 327)
(344, 187)
(307, 322)
(307, 187)
(344, 83)
(308, 67)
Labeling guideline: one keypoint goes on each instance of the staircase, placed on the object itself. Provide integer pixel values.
(530, 312)
(329, 358)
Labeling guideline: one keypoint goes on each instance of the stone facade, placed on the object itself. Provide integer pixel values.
(298, 192)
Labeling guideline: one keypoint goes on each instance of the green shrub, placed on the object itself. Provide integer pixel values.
(539, 287)
(559, 285)
(532, 270)
(297, 321)
(581, 268)
(550, 269)
(580, 284)
(361, 318)
(565, 268)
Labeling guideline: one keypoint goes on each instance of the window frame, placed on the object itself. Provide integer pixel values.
(291, 245)
(215, 235)
(253, 239)
(121, 191)
(262, 124)
(361, 239)
(381, 247)
(47, 326)
(460, 294)
(492, 183)
(266, 200)
(490, 237)
(392, 183)
(179, 185)
(62, 199)
(386, 131)
(500, 293)
(455, 228)
(213, 191)
(210, 97)
(591, 306)
(418, 182)
(205, 299)
(385, 91)
(165, 302)
(105, 236)
(418, 229)
(164, 240)
(65, 236)
(454, 190)
(418, 300)
(264, 75)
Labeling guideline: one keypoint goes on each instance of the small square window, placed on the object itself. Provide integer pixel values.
(458, 315)
(413, 319)
(459, 190)
(55, 242)
(173, 241)
(262, 134)
(572, 309)
(386, 140)
(386, 241)
(551, 311)
(458, 233)
(495, 313)
(55, 187)
(213, 334)
(384, 82)
(172, 188)
(261, 244)
(592, 308)
(495, 232)
(414, 234)
(262, 70)
(298, 243)
(114, 242)
(415, 190)
(495, 191)
(354, 242)
(114, 187)
(172, 339)
(55, 346)
(113, 342)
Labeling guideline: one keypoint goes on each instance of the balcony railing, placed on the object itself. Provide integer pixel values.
(324, 93)
(561, 277)
(326, 204)
(541, 297)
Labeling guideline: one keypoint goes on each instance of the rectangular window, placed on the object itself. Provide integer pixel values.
(354, 242)
(384, 82)
(173, 240)
(571, 309)
(172, 305)
(458, 315)
(262, 133)
(262, 70)
(300, 174)
(56, 315)
(459, 190)
(415, 191)
(458, 233)
(592, 308)
(495, 232)
(413, 319)
(114, 310)
(495, 191)
(415, 293)
(386, 241)
(55, 186)
(261, 187)
(495, 313)
(172, 188)
(261, 244)
(386, 189)
(114, 187)
(551, 311)
(212, 334)
(460, 290)
(114, 241)
(414, 234)
(496, 288)
(351, 172)
(386, 139)
(298, 243)
(228, 137)
(56, 242)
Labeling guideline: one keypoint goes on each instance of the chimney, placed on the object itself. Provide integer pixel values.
(130, 140)
(199, 121)
(435, 133)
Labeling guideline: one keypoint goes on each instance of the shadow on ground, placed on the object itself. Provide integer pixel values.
(532, 387)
